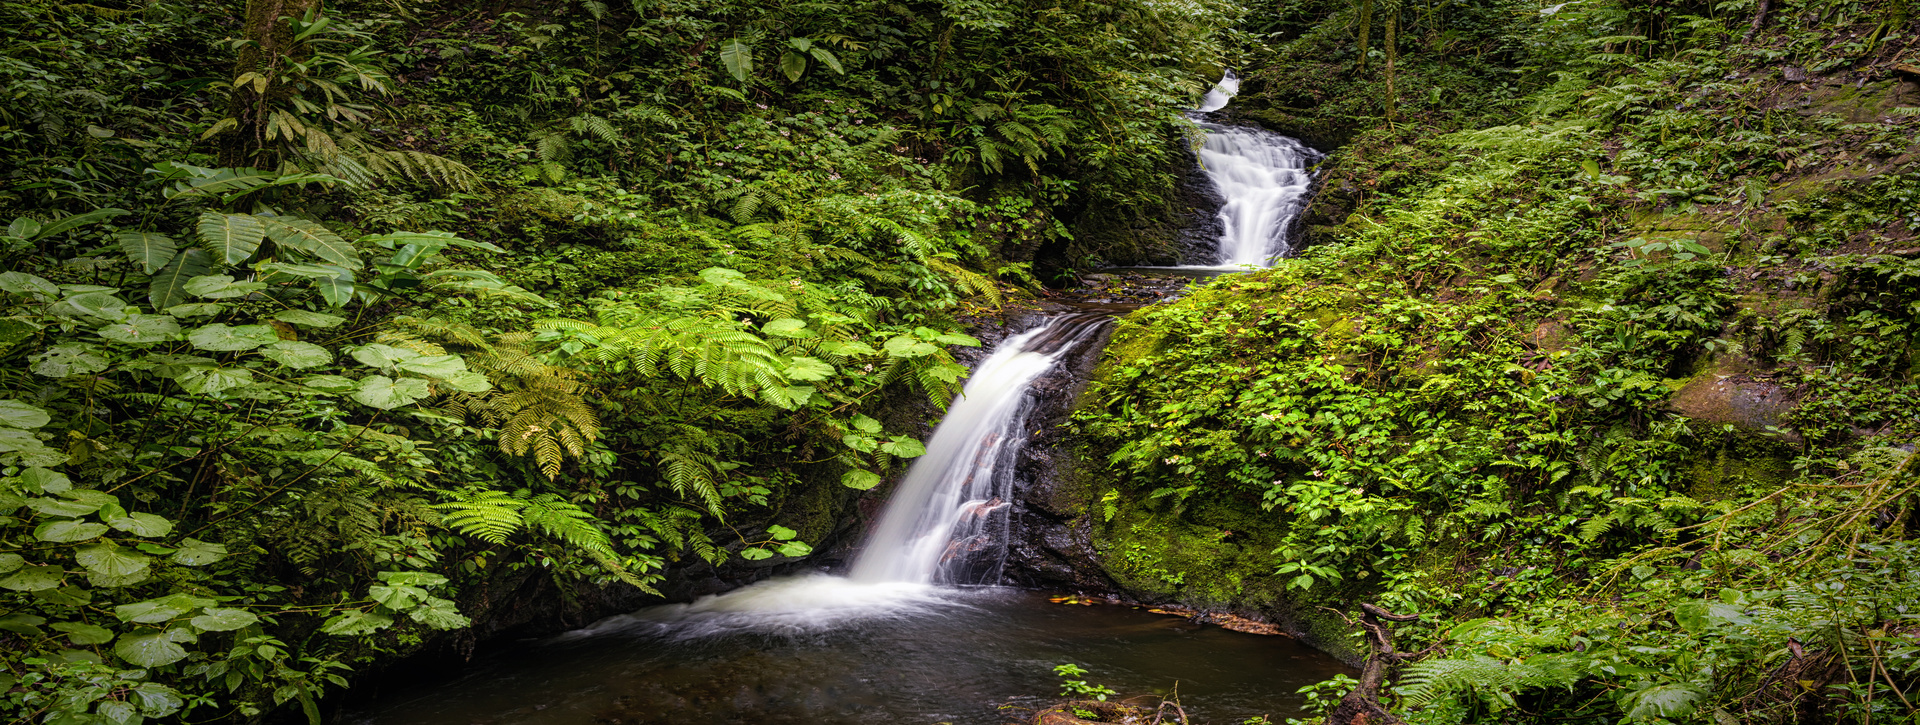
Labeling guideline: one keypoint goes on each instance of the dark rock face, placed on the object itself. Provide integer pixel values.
(1050, 545)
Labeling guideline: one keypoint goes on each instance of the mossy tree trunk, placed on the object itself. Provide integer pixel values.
(268, 41)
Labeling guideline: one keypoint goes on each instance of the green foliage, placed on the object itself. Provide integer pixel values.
(1073, 684)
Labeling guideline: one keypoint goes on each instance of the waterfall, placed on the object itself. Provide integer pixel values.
(1221, 92)
(1262, 175)
(947, 521)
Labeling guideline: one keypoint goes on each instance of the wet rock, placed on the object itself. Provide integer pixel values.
(1751, 403)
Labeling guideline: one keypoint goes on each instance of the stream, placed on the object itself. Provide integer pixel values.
(917, 631)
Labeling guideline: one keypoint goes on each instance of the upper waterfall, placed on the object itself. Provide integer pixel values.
(1262, 175)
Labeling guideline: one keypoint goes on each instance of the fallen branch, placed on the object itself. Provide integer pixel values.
(1362, 706)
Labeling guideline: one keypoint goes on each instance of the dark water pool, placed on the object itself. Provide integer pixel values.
(966, 657)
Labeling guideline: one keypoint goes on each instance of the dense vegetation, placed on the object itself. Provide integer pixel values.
(329, 330)
(1601, 360)
(327, 327)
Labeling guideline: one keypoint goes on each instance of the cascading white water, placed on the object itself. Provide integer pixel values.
(1221, 92)
(947, 521)
(1263, 177)
(945, 524)
(1265, 181)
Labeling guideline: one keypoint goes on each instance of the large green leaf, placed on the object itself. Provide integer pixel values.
(152, 649)
(806, 368)
(826, 56)
(387, 393)
(312, 238)
(21, 415)
(23, 284)
(67, 360)
(98, 215)
(149, 250)
(224, 620)
(297, 355)
(83, 633)
(232, 238)
(69, 531)
(376, 355)
(10, 562)
(356, 623)
(220, 287)
(169, 286)
(306, 318)
(142, 525)
(1669, 700)
(109, 565)
(211, 380)
(793, 65)
(737, 57)
(33, 579)
(27, 624)
(28, 449)
(434, 366)
(223, 338)
(142, 329)
(439, 614)
(860, 479)
(338, 289)
(194, 552)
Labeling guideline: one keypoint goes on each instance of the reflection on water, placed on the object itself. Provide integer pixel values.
(824, 651)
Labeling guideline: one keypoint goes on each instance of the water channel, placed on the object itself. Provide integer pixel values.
(917, 632)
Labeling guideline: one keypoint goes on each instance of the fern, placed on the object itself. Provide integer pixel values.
(494, 516)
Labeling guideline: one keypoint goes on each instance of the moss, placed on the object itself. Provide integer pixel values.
(1729, 463)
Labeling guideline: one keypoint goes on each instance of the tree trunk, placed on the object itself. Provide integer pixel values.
(1759, 20)
(1366, 26)
(1393, 100)
(269, 41)
(1362, 706)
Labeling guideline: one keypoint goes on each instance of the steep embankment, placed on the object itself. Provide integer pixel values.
(1599, 358)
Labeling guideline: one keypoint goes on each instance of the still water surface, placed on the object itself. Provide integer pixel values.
(977, 656)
